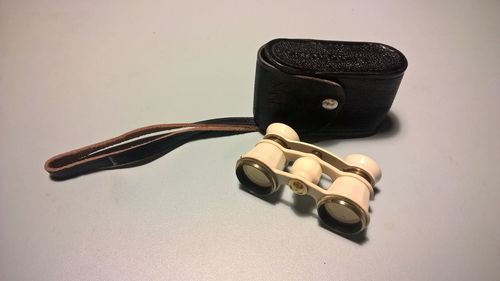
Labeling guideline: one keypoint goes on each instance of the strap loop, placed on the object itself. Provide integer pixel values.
(141, 146)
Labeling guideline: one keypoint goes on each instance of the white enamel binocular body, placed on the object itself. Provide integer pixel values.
(343, 206)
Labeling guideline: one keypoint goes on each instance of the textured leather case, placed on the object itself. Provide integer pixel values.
(326, 88)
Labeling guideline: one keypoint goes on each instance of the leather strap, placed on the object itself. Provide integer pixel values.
(141, 146)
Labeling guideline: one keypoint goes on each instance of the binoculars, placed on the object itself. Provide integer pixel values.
(281, 159)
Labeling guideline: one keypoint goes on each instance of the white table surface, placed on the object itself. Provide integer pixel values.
(76, 72)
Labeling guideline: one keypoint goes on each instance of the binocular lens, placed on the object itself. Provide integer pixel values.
(256, 176)
(341, 213)
(342, 216)
(255, 168)
(346, 210)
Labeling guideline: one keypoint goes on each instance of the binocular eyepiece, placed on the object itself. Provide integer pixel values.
(281, 159)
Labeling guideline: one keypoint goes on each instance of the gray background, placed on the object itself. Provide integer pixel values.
(76, 72)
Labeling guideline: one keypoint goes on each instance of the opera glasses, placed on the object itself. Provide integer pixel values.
(281, 159)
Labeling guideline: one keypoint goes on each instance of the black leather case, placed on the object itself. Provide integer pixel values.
(326, 89)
